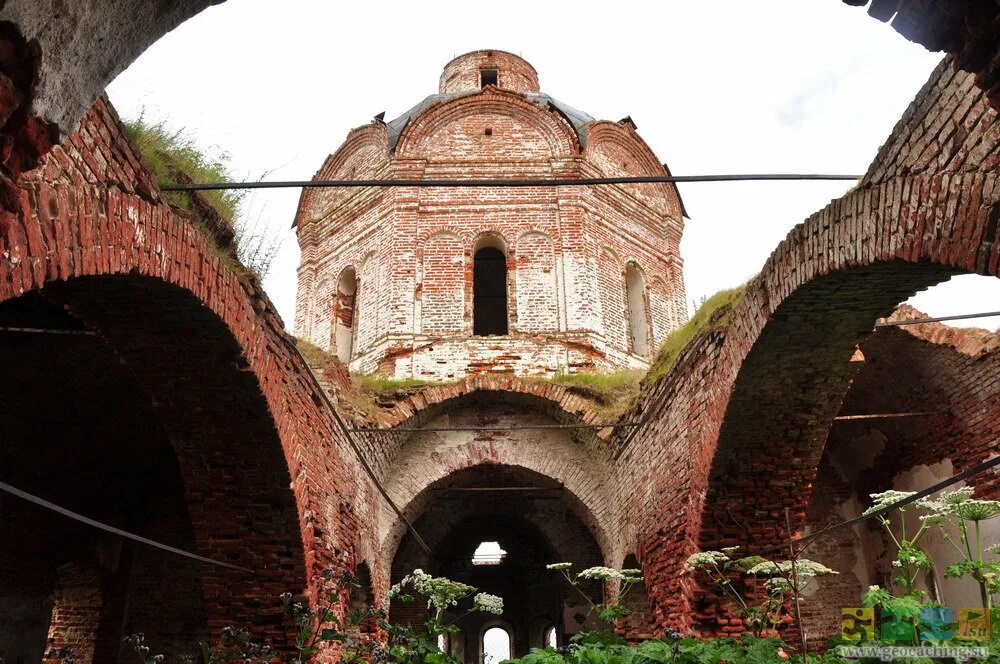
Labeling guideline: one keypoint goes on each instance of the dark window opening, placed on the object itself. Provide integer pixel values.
(488, 132)
(488, 77)
(489, 292)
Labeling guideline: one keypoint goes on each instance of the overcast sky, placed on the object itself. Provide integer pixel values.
(721, 87)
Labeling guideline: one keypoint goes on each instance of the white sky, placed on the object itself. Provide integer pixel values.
(781, 86)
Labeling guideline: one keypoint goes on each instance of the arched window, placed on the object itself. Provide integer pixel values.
(489, 289)
(550, 639)
(496, 645)
(343, 314)
(638, 321)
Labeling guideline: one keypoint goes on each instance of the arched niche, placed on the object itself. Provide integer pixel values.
(344, 305)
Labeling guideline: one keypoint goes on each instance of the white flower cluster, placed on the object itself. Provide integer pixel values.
(778, 584)
(706, 559)
(488, 603)
(559, 566)
(887, 498)
(959, 503)
(439, 591)
(601, 574)
(805, 571)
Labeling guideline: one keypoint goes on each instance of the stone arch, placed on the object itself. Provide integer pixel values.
(534, 528)
(364, 152)
(618, 150)
(490, 626)
(537, 299)
(442, 291)
(915, 220)
(468, 117)
(491, 297)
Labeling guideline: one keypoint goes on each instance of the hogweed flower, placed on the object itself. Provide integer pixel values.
(887, 499)
(559, 566)
(977, 510)
(488, 603)
(706, 559)
(601, 574)
(805, 570)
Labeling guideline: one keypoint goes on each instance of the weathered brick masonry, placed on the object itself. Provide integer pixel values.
(399, 261)
(736, 431)
(952, 376)
(264, 477)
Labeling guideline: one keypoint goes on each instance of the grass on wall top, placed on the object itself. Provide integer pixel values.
(714, 310)
(174, 158)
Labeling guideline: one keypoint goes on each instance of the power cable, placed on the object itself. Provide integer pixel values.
(919, 321)
(41, 502)
(538, 182)
(357, 450)
(512, 427)
(806, 540)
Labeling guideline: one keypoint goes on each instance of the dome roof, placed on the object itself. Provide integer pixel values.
(578, 119)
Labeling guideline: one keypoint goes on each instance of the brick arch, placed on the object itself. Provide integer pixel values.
(91, 234)
(418, 407)
(560, 138)
(780, 367)
(582, 464)
(591, 510)
(820, 294)
(742, 417)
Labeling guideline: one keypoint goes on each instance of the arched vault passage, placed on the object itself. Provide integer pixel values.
(206, 346)
(820, 294)
(191, 405)
(425, 461)
(749, 438)
(528, 517)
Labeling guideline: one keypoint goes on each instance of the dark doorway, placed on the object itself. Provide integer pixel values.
(489, 292)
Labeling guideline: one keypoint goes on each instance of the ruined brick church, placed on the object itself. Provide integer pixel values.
(448, 282)
(171, 459)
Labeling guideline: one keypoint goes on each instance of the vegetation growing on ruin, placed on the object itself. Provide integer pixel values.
(714, 311)
(382, 386)
(174, 157)
(612, 393)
